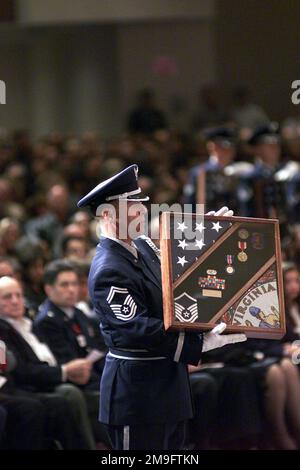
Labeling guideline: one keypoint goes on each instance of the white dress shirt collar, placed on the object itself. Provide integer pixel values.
(68, 311)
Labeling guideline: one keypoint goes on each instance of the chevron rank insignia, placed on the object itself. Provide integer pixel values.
(121, 303)
(186, 310)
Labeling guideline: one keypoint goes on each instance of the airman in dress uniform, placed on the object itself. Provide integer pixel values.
(290, 132)
(261, 193)
(145, 394)
(214, 183)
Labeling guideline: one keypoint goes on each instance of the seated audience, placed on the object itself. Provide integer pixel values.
(36, 368)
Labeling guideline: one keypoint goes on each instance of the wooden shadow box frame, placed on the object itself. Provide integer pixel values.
(235, 277)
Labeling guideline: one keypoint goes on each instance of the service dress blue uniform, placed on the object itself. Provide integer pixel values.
(145, 395)
(145, 382)
(293, 198)
(220, 189)
(259, 192)
(190, 189)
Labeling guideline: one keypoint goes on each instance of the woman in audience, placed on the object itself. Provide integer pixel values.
(274, 365)
(291, 278)
(31, 256)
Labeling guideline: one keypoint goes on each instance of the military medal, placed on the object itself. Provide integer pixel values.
(242, 256)
(243, 234)
(229, 268)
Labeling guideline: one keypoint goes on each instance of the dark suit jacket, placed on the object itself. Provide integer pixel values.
(29, 373)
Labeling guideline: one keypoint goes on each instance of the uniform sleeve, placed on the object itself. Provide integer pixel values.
(124, 314)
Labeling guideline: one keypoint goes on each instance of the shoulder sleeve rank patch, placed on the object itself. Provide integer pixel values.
(121, 303)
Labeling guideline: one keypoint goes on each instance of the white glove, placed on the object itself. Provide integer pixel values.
(224, 211)
(214, 340)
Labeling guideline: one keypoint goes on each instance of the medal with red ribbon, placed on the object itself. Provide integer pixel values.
(242, 256)
(242, 245)
(229, 260)
(76, 328)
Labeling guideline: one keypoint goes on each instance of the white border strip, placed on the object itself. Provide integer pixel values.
(126, 438)
(124, 195)
(135, 358)
(179, 346)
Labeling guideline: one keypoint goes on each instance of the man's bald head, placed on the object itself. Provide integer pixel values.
(6, 281)
(11, 298)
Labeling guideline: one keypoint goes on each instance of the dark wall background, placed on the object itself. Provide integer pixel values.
(258, 43)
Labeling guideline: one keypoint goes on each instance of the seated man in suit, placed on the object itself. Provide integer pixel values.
(36, 369)
(68, 332)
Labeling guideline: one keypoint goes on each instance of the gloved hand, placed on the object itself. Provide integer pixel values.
(214, 340)
(224, 211)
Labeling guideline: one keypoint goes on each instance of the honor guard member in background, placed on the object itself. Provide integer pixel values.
(145, 394)
(290, 173)
(261, 194)
(289, 179)
(214, 183)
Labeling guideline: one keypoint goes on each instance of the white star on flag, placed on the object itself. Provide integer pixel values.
(216, 226)
(200, 227)
(181, 226)
(182, 244)
(205, 235)
(181, 260)
(200, 244)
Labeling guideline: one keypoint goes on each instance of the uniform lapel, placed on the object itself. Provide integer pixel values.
(139, 263)
(83, 323)
(63, 320)
(109, 244)
(150, 261)
(147, 270)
